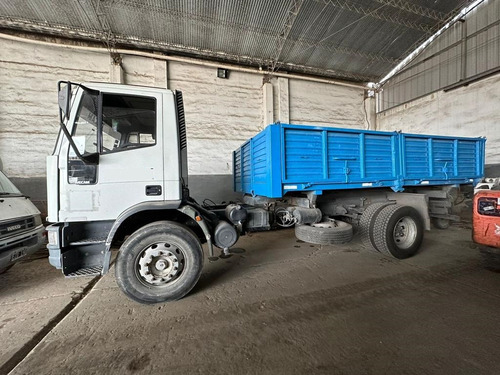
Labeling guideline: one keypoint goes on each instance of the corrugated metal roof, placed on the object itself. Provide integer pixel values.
(358, 40)
(466, 50)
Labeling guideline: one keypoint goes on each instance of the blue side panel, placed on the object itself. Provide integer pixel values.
(260, 159)
(467, 159)
(417, 155)
(237, 185)
(443, 160)
(437, 160)
(380, 156)
(344, 163)
(246, 167)
(284, 158)
(257, 164)
(303, 155)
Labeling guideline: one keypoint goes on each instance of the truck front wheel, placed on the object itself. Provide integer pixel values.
(159, 262)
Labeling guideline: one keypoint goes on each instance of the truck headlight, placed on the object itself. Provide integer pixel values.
(53, 237)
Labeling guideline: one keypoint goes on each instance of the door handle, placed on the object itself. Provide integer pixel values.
(153, 190)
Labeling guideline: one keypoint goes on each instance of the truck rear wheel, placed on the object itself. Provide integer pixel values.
(159, 262)
(366, 223)
(325, 233)
(398, 231)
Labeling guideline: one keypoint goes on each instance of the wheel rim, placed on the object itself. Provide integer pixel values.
(328, 224)
(160, 264)
(405, 232)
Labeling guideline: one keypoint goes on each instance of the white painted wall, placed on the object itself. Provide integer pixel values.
(319, 104)
(28, 100)
(220, 113)
(471, 111)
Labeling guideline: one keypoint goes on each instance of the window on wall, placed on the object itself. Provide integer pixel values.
(128, 122)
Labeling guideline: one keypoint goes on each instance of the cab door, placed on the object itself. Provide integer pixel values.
(124, 130)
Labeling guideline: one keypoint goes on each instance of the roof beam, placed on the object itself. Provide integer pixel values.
(346, 51)
(209, 21)
(415, 9)
(292, 13)
(104, 24)
(379, 14)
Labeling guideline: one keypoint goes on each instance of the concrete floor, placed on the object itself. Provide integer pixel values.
(283, 307)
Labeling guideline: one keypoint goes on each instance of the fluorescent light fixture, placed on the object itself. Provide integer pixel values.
(222, 73)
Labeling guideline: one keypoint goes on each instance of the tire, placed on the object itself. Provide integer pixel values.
(325, 233)
(366, 223)
(5, 269)
(178, 260)
(441, 223)
(398, 231)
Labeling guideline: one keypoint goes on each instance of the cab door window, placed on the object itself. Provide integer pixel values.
(129, 122)
(85, 137)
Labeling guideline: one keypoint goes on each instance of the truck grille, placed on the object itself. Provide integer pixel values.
(11, 227)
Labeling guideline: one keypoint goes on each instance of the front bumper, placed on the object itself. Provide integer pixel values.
(17, 247)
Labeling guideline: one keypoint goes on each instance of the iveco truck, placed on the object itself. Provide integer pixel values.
(118, 179)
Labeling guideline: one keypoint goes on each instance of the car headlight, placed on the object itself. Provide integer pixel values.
(38, 220)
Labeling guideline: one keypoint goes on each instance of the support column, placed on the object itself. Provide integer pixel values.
(115, 70)
(160, 73)
(283, 101)
(268, 105)
(370, 110)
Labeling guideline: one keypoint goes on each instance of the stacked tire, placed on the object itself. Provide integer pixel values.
(392, 229)
(331, 232)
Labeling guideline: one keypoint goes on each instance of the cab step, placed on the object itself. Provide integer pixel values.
(83, 258)
(88, 271)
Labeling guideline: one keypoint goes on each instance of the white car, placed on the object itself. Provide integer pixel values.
(487, 183)
(21, 229)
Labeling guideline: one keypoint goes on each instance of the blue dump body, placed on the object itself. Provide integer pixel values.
(285, 158)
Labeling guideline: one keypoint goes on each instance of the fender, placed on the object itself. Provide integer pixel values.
(148, 206)
(144, 206)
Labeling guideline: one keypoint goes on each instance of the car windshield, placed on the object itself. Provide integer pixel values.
(7, 187)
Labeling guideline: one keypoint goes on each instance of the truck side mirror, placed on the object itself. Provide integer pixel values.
(64, 98)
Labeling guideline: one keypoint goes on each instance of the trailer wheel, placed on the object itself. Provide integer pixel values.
(398, 231)
(441, 223)
(366, 223)
(325, 233)
(159, 262)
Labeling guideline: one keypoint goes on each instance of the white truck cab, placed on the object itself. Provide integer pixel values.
(119, 173)
(21, 229)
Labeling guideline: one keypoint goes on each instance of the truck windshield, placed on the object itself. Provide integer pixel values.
(7, 188)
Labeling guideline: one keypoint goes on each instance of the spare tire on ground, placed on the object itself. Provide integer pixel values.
(325, 233)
